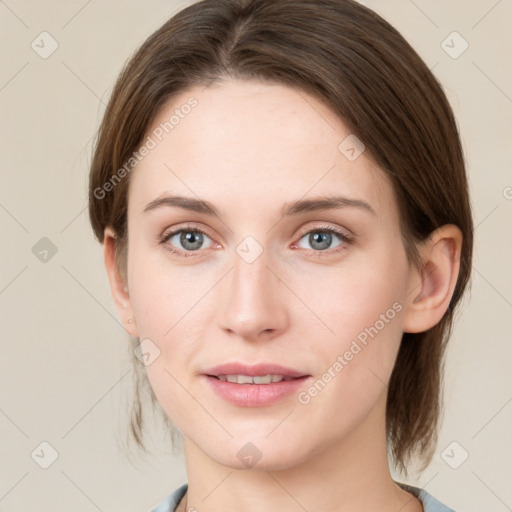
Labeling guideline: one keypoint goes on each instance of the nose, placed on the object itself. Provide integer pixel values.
(254, 305)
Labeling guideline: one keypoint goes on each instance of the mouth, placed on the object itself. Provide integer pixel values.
(254, 386)
(262, 373)
(256, 379)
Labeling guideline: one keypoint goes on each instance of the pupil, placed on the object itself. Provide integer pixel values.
(191, 240)
(323, 239)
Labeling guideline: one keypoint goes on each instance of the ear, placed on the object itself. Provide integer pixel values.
(118, 286)
(432, 286)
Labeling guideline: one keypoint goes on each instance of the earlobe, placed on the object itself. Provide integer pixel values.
(118, 285)
(433, 285)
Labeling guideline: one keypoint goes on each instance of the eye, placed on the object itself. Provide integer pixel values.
(185, 240)
(189, 240)
(321, 239)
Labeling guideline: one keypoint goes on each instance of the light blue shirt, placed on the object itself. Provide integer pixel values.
(430, 504)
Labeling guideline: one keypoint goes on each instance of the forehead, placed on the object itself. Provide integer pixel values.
(255, 145)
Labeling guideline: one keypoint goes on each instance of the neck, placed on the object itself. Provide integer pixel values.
(343, 476)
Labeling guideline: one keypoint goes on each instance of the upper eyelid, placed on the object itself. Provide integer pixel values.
(174, 231)
(302, 232)
(325, 227)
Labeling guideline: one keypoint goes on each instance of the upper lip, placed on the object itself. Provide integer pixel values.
(253, 370)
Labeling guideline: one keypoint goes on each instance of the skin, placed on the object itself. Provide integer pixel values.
(248, 148)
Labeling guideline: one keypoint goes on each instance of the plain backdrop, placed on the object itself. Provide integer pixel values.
(65, 376)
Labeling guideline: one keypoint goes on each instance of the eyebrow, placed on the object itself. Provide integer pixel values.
(295, 208)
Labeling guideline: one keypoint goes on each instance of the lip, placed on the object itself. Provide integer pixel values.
(253, 370)
(254, 395)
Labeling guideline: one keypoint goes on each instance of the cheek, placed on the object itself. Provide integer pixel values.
(163, 294)
(171, 304)
(353, 302)
(359, 333)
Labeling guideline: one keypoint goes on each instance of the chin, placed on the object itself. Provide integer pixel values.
(257, 453)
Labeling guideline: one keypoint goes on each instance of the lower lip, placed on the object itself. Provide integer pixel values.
(255, 395)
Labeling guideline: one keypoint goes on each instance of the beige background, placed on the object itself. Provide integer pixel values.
(65, 370)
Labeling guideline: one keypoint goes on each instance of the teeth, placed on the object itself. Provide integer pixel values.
(257, 379)
(267, 379)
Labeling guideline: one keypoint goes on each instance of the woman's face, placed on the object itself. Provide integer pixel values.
(263, 281)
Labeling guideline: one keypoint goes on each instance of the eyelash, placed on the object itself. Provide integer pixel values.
(344, 237)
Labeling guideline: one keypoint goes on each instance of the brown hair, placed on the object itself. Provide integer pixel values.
(363, 69)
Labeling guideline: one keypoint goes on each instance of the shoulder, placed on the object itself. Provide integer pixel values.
(430, 504)
(170, 503)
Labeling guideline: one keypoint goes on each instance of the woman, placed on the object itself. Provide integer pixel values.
(282, 198)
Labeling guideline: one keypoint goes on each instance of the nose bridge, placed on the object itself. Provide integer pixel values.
(250, 277)
(253, 304)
